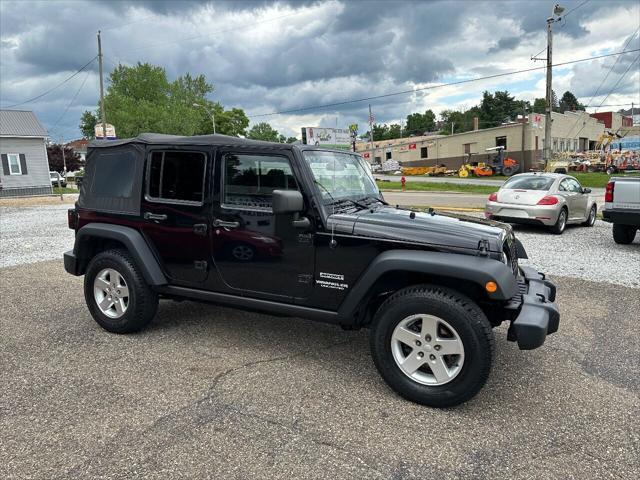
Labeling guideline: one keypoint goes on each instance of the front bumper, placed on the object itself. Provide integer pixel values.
(538, 314)
(528, 214)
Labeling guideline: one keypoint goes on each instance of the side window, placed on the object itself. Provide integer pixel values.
(564, 187)
(574, 186)
(176, 176)
(249, 180)
(114, 175)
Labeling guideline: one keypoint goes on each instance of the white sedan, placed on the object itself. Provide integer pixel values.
(549, 199)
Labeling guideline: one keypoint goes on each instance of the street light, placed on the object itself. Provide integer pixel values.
(210, 112)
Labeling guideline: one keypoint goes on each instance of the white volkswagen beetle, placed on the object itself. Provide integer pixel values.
(549, 199)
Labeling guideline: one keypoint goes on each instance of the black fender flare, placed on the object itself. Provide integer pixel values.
(476, 269)
(131, 239)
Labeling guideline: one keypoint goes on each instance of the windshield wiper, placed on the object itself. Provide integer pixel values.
(340, 200)
(377, 199)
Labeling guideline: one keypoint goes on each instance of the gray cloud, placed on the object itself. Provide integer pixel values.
(347, 50)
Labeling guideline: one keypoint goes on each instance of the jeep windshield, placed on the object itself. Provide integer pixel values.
(342, 177)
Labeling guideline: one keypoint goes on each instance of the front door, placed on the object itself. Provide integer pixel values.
(253, 249)
(175, 215)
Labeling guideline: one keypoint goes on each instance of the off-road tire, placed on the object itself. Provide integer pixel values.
(559, 227)
(623, 234)
(463, 315)
(591, 220)
(143, 301)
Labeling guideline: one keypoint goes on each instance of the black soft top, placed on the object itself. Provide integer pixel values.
(161, 139)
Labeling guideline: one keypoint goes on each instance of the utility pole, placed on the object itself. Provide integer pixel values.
(451, 128)
(546, 154)
(64, 160)
(371, 134)
(103, 119)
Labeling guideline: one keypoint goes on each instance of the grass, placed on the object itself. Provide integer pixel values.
(438, 187)
(59, 190)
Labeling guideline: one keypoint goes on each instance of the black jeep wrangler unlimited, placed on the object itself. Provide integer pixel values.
(304, 232)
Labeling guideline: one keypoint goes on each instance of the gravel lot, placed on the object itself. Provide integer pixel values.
(210, 392)
(31, 234)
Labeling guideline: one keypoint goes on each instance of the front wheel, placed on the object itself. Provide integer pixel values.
(116, 293)
(432, 345)
(591, 219)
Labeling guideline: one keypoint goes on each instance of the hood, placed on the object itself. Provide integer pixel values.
(445, 230)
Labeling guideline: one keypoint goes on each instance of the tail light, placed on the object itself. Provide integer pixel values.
(548, 200)
(493, 197)
(72, 218)
(608, 192)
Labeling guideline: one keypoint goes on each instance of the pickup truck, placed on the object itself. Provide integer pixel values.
(622, 207)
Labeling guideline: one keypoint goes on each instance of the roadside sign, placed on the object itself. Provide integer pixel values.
(111, 131)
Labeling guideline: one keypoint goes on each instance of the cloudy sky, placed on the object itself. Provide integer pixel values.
(271, 56)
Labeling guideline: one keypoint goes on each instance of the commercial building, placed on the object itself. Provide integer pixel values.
(23, 149)
(522, 140)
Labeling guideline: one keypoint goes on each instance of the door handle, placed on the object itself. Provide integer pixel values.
(222, 223)
(200, 229)
(158, 217)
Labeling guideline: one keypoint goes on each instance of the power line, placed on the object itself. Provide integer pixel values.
(533, 57)
(611, 91)
(431, 87)
(575, 8)
(605, 78)
(71, 102)
(53, 88)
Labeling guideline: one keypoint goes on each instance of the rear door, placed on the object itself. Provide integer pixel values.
(174, 212)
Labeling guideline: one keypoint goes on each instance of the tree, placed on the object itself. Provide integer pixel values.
(88, 120)
(539, 105)
(141, 99)
(569, 102)
(56, 162)
(419, 123)
(263, 131)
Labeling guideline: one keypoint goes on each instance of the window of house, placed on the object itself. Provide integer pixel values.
(554, 146)
(14, 164)
(249, 180)
(176, 176)
(575, 144)
(388, 155)
(562, 144)
(424, 153)
(378, 159)
(501, 142)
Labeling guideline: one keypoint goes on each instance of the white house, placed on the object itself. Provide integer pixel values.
(23, 149)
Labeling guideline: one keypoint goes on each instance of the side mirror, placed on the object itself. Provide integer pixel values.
(287, 201)
(586, 190)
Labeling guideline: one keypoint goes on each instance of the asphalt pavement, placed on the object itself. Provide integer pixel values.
(210, 392)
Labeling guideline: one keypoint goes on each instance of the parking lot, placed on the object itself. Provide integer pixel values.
(210, 392)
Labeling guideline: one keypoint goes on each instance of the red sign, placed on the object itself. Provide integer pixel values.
(412, 146)
(365, 155)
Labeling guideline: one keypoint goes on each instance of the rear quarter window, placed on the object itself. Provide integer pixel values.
(114, 175)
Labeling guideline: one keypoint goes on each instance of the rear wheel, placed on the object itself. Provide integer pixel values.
(507, 171)
(432, 345)
(561, 223)
(623, 234)
(591, 219)
(116, 293)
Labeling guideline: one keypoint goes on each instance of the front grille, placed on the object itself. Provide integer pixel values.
(509, 250)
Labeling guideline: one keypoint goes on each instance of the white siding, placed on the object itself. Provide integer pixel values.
(35, 152)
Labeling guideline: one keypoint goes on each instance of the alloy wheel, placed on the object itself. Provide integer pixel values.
(111, 293)
(427, 349)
